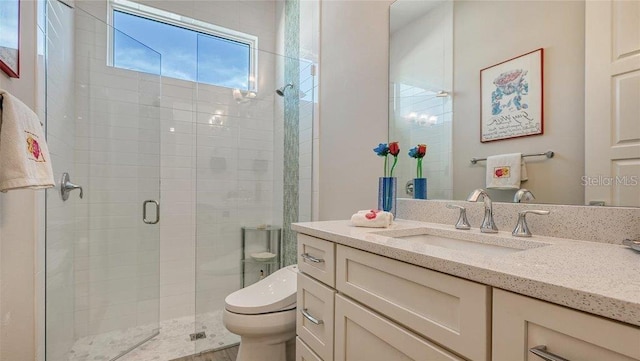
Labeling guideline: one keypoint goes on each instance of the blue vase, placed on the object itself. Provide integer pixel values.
(419, 188)
(387, 187)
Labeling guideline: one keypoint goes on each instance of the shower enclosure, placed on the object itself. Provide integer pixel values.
(171, 171)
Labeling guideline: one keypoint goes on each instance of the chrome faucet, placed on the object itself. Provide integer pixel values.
(488, 225)
(523, 195)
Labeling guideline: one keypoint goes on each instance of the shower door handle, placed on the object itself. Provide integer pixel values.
(144, 212)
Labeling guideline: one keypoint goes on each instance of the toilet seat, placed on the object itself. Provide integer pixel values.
(275, 293)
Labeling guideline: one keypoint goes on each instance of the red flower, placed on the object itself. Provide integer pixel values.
(394, 148)
(422, 150)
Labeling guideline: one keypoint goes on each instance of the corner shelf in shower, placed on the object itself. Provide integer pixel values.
(272, 243)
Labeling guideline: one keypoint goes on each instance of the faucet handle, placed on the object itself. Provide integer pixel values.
(522, 229)
(523, 194)
(463, 222)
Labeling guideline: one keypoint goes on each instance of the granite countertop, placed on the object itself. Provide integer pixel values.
(598, 278)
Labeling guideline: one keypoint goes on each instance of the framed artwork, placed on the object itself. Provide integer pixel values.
(10, 37)
(511, 98)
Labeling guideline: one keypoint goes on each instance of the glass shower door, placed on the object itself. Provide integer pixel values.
(102, 244)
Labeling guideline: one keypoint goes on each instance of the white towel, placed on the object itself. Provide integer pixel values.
(505, 171)
(523, 171)
(24, 155)
(372, 218)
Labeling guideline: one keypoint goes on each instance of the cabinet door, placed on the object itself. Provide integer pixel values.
(314, 323)
(521, 323)
(363, 335)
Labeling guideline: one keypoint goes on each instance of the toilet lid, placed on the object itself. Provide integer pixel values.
(275, 292)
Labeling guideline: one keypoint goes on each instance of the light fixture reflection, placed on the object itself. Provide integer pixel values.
(241, 97)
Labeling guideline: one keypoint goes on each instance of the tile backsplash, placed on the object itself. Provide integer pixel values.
(588, 223)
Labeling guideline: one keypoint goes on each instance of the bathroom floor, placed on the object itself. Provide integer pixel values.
(227, 354)
(173, 341)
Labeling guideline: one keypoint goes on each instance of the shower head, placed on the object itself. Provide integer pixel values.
(280, 91)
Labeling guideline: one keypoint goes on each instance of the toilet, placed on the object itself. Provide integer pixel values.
(264, 316)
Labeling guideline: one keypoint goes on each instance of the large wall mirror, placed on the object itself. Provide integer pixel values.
(437, 50)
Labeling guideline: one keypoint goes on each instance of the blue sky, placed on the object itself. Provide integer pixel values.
(9, 21)
(182, 53)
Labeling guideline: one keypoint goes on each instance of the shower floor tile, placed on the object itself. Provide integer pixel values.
(172, 342)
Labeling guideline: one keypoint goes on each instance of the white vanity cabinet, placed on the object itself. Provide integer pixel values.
(378, 305)
(382, 309)
(360, 306)
(521, 323)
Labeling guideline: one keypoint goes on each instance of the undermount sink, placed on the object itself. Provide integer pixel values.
(491, 245)
(461, 245)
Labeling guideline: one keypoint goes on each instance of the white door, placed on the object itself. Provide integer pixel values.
(612, 98)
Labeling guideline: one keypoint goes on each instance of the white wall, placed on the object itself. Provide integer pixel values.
(353, 104)
(20, 217)
(489, 32)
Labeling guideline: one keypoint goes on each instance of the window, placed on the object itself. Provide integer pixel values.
(189, 49)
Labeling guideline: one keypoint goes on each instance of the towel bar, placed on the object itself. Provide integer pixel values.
(548, 154)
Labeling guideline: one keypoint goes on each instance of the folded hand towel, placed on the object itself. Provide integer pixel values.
(505, 171)
(523, 171)
(372, 218)
(24, 155)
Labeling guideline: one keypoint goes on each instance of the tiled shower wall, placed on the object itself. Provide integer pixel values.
(291, 136)
(234, 181)
(295, 126)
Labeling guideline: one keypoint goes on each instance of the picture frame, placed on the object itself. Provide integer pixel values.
(511, 98)
(10, 37)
